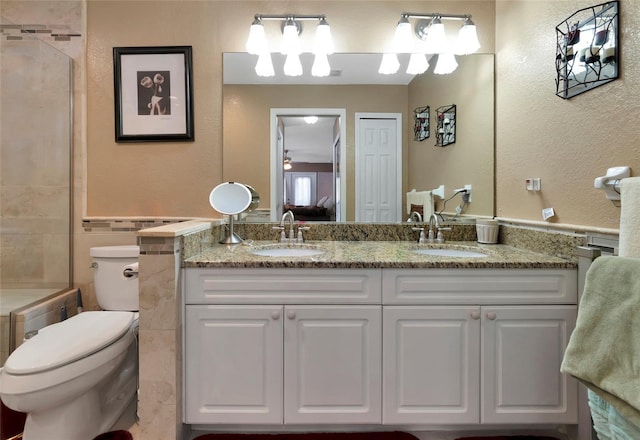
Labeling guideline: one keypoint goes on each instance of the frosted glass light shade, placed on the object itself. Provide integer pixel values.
(292, 65)
(446, 64)
(389, 64)
(264, 66)
(436, 41)
(321, 65)
(467, 41)
(257, 41)
(403, 37)
(290, 40)
(323, 43)
(418, 64)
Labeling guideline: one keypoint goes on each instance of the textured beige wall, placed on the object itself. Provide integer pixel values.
(470, 159)
(566, 143)
(174, 179)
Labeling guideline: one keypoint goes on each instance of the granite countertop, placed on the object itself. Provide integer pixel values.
(375, 254)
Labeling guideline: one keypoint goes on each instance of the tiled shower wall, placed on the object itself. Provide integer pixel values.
(35, 165)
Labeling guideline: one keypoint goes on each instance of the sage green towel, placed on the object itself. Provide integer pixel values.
(604, 349)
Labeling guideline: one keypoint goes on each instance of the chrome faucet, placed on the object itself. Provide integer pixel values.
(415, 216)
(288, 216)
(435, 230)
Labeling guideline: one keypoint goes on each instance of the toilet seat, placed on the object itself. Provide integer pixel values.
(68, 341)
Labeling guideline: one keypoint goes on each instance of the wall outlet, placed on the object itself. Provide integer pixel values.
(537, 184)
(468, 188)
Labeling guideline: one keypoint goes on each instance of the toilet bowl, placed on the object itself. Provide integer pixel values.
(74, 379)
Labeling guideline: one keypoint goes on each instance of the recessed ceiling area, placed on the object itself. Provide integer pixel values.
(312, 143)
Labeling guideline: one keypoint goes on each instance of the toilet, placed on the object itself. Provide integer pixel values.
(74, 379)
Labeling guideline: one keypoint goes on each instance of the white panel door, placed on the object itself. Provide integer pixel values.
(523, 348)
(233, 366)
(431, 364)
(332, 364)
(377, 159)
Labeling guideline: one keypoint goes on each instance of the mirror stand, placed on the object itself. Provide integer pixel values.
(232, 237)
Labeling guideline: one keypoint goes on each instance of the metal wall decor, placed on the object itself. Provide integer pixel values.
(446, 125)
(587, 54)
(421, 123)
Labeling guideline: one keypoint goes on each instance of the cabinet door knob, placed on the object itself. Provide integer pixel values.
(475, 314)
(491, 315)
(275, 315)
(291, 314)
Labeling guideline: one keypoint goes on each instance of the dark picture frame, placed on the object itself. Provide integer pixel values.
(153, 93)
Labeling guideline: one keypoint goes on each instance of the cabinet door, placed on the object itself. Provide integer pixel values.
(332, 365)
(233, 364)
(522, 352)
(431, 364)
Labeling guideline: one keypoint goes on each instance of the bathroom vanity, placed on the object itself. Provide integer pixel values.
(373, 333)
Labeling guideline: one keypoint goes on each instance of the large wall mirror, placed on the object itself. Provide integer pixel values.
(248, 123)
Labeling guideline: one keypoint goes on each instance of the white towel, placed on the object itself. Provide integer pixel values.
(630, 217)
(420, 198)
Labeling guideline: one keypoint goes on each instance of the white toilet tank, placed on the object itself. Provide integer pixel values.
(115, 274)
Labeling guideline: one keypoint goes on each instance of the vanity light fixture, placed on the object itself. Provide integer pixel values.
(290, 46)
(432, 40)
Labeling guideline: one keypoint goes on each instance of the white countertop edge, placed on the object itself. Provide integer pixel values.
(181, 228)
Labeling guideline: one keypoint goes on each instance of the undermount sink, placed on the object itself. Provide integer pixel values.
(457, 251)
(287, 250)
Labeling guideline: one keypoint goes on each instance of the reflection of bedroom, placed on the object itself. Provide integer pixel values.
(310, 181)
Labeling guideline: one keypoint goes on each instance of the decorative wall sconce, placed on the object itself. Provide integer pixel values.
(446, 125)
(431, 40)
(421, 123)
(290, 46)
(587, 49)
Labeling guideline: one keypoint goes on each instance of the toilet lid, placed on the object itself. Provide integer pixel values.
(68, 341)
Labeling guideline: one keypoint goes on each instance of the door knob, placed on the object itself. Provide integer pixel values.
(291, 314)
(491, 315)
(475, 314)
(275, 315)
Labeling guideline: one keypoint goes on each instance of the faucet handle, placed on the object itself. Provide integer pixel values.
(422, 238)
(440, 237)
(300, 229)
(283, 236)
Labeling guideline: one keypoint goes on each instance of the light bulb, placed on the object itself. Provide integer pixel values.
(264, 66)
(290, 40)
(467, 41)
(257, 41)
(389, 64)
(323, 43)
(292, 65)
(418, 64)
(446, 64)
(436, 41)
(321, 65)
(403, 39)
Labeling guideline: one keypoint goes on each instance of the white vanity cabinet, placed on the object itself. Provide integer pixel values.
(478, 359)
(273, 346)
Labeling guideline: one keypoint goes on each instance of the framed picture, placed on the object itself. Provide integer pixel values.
(153, 94)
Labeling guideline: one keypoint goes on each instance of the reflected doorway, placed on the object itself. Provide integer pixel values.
(307, 156)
